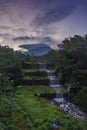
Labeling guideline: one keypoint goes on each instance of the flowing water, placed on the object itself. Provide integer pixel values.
(59, 100)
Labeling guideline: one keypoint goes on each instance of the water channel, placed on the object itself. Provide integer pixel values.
(59, 100)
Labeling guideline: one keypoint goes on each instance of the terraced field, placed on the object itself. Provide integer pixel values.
(30, 108)
(34, 76)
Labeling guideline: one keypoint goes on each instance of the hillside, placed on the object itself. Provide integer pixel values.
(36, 49)
(28, 106)
(70, 64)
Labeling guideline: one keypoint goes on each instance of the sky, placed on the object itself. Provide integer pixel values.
(41, 21)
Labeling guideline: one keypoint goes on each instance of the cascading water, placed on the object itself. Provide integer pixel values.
(59, 99)
(54, 83)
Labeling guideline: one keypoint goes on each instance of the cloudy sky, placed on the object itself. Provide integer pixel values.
(41, 21)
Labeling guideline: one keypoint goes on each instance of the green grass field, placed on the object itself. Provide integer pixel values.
(35, 78)
(32, 70)
(25, 111)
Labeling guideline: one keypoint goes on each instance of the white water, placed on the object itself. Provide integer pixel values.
(59, 100)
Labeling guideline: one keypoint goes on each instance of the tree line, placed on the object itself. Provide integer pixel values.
(70, 64)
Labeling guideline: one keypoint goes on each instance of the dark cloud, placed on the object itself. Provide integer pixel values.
(54, 11)
(5, 35)
(49, 10)
(17, 16)
(54, 15)
(21, 38)
(4, 4)
(47, 40)
(4, 27)
(41, 5)
(49, 4)
(27, 38)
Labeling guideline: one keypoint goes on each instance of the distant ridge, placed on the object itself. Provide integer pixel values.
(36, 49)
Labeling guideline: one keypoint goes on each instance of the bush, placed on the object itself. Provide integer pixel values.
(2, 126)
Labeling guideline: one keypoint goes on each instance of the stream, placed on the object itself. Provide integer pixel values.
(59, 100)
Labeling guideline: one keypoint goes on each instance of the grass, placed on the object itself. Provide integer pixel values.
(35, 78)
(38, 89)
(31, 63)
(42, 112)
(32, 70)
(12, 115)
(25, 111)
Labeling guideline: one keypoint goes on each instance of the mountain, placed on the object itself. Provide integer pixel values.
(36, 49)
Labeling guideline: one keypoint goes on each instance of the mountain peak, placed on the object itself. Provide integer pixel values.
(36, 49)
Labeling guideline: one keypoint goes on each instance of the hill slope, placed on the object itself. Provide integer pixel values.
(36, 49)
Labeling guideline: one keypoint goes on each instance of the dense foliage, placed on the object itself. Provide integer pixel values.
(72, 58)
(27, 108)
(10, 68)
(71, 67)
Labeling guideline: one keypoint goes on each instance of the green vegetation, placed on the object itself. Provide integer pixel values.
(29, 112)
(30, 65)
(80, 98)
(34, 72)
(72, 68)
(35, 78)
(41, 89)
(29, 107)
(31, 70)
(70, 64)
(10, 69)
(9, 58)
(12, 115)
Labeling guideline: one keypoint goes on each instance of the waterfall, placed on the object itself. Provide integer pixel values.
(54, 83)
(68, 107)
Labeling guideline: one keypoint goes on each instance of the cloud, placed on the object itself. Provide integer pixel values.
(50, 41)
(6, 36)
(4, 27)
(43, 12)
(32, 38)
(54, 15)
(4, 5)
(55, 11)
(47, 40)
(17, 16)
(21, 38)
